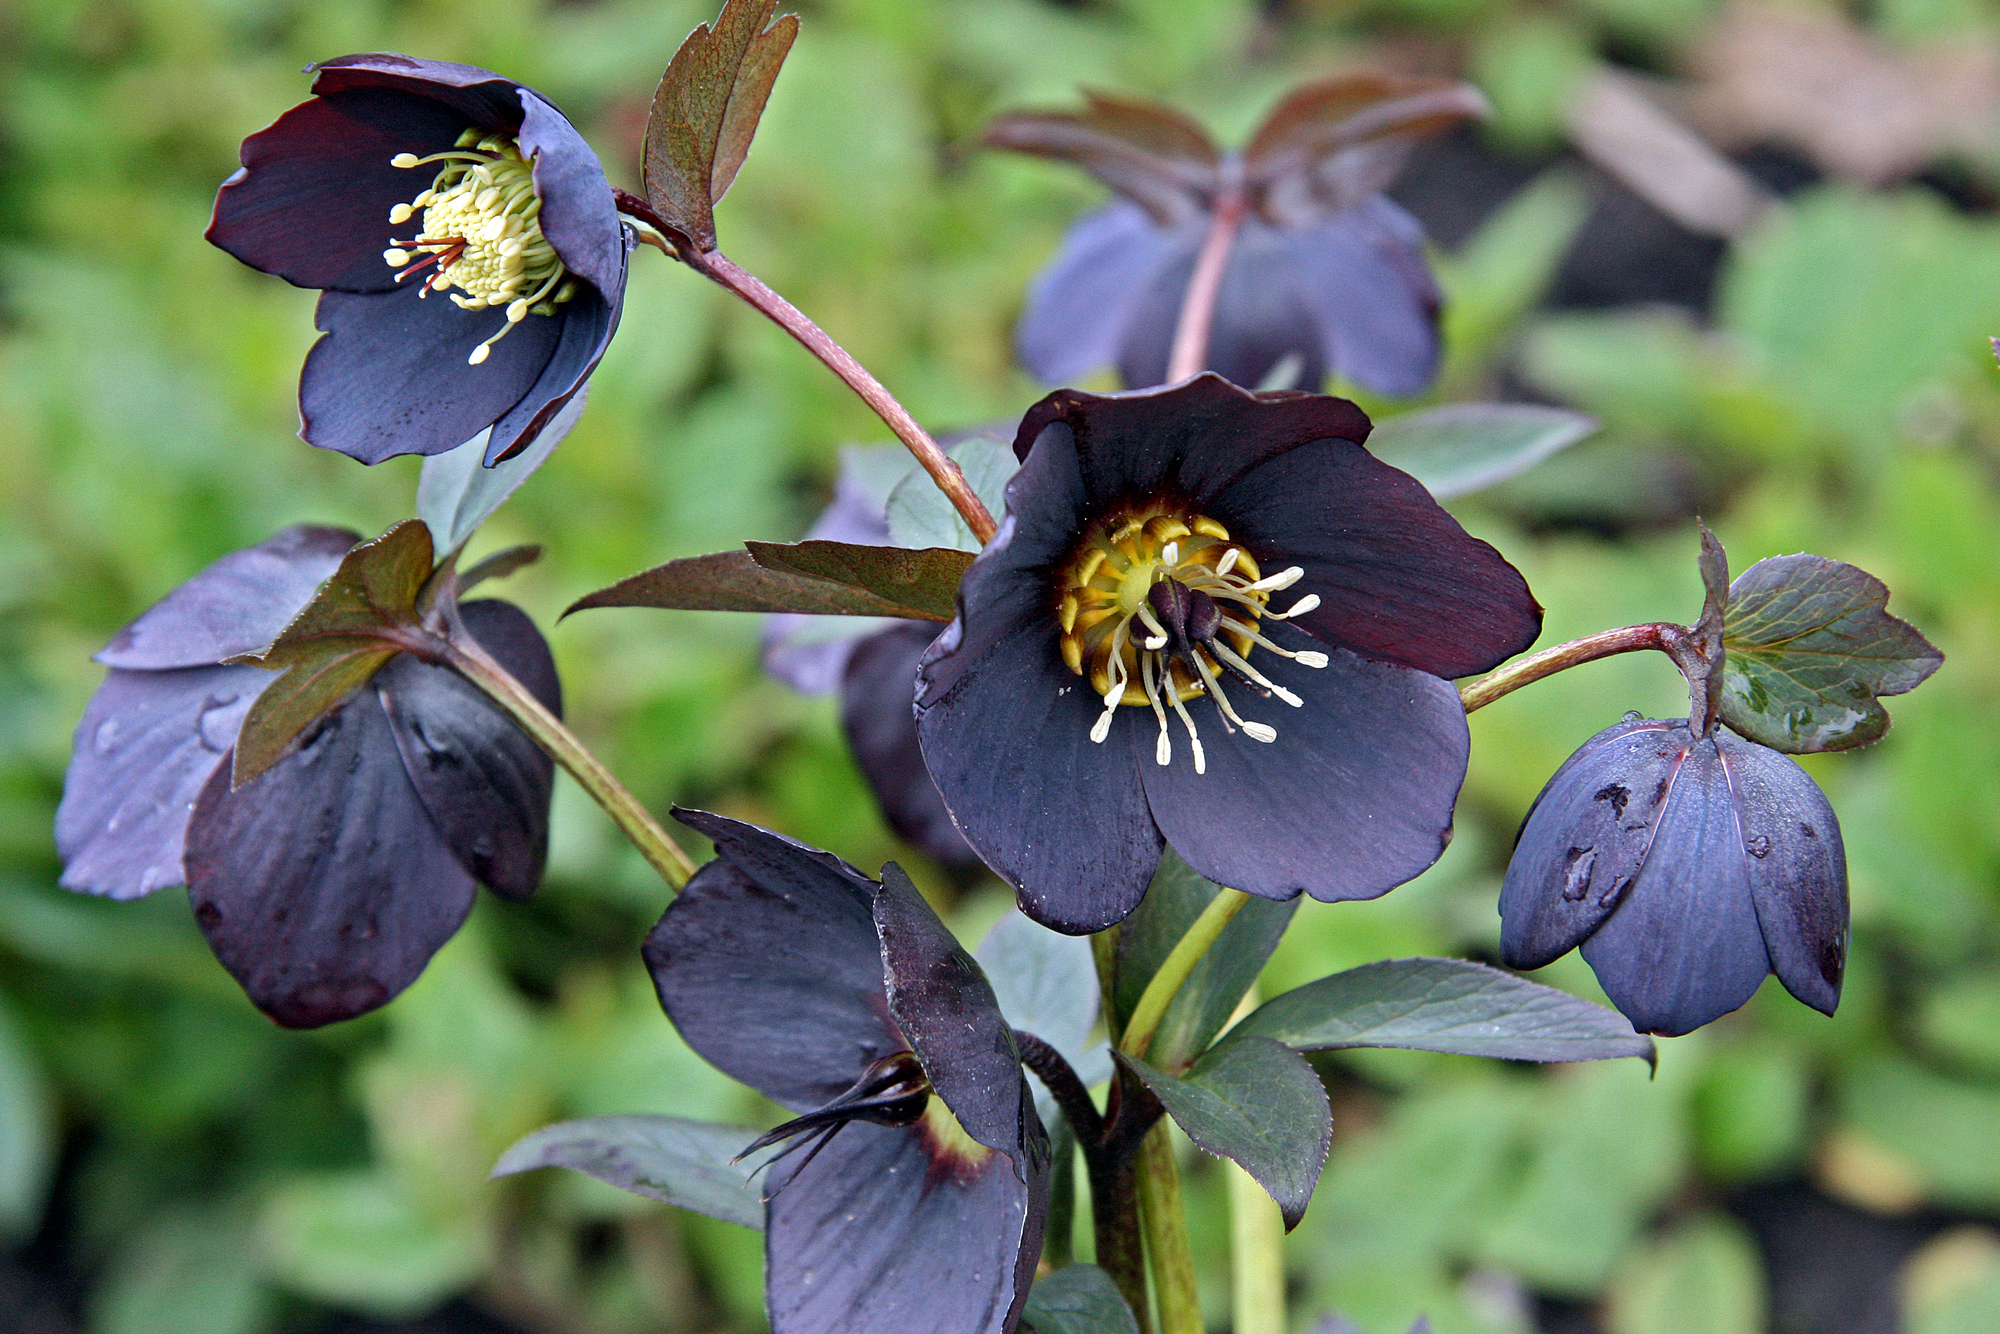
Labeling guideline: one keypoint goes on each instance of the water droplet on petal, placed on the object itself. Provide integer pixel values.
(219, 722)
(105, 738)
(1576, 883)
(1758, 846)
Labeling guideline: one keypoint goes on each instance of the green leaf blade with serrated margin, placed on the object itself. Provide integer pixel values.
(920, 515)
(1810, 649)
(1078, 1299)
(1447, 1005)
(773, 577)
(1258, 1103)
(1460, 448)
(666, 1158)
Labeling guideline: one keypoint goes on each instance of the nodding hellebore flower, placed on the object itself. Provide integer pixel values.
(326, 883)
(913, 1186)
(1211, 617)
(1688, 868)
(468, 250)
(1326, 274)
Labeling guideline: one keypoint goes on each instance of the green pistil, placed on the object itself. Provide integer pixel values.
(482, 231)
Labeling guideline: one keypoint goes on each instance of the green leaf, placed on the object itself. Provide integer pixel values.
(1046, 984)
(1078, 1299)
(1810, 649)
(185, 1272)
(360, 618)
(455, 494)
(665, 1158)
(1448, 1005)
(1460, 448)
(1703, 1278)
(817, 578)
(1944, 1129)
(921, 516)
(1258, 1103)
(359, 1240)
(27, 1134)
(705, 113)
(1205, 1001)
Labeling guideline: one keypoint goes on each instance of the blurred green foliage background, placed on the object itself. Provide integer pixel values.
(172, 1163)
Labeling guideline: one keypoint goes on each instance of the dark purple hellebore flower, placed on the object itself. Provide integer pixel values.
(1211, 618)
(1325, 275)
(325, 884)
(1687, 868)
(466, 244)
(913, 1190)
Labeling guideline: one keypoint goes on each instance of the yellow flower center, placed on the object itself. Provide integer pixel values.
(1156, 607)
(481, 233)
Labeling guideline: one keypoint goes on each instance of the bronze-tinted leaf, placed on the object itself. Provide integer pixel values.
(705, 113)
(1336, 141)
(1151, 154)
(817, 578)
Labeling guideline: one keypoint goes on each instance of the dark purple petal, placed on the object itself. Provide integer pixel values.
(1684, 947)
(146, 747)
(769, 965)
(1585, 839)
(1798, 869)
(485, 784)
(389, 375)
(1397, 577)
(1080, 309)
(1353, 798)
(311, 201)
(322, 885)
(239, 604)
(885, 1230)
(1261, 318)
(579, 215)
(1005, 728)
(946, 1008)
(1363, 275)
(583, 328)
(482, 97)
(876, 693)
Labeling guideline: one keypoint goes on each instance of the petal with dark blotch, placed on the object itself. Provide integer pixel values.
(1363, 275)
(389, 375)
(311, 201)
(485, 784)
(239, 604)
(143, 752)
(1585, 839)
(1397, 577)
(579, 215)
(1684, 946)
(876, 692)
(769, 965)
(946, 1008)
(322, 885)
(482, 97)
(1352, 799)
(1798, 869)
(1005, 729)
(583, 327)
(1261, 324)
(1080, 308)
(893, 1230)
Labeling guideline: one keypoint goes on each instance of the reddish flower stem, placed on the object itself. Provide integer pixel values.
(1671, 640)
(1197, 317)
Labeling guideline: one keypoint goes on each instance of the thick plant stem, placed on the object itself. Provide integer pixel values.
(725, 271)
(1114, 1221)
(1163, 1216)
(1666, 638)
(654, 843)
(1174, 970)
(1256, 1257)
(1197, 318)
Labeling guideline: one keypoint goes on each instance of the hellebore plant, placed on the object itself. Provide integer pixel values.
(1211, 624)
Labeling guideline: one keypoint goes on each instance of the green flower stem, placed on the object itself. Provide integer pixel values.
(1163, 1217)
(1256, 1256)
(1666, 638)
(654, 843)
(1174, 970)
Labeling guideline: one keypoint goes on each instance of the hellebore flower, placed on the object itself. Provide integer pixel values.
(914, 1186)
(325, 884)
(1326, 274)
(1237, 568)
(1687, 868)
(404, 179)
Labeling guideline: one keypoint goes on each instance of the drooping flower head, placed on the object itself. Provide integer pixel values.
(1688, 868)
(465, 241)
(1211, 618)
(326, 883)
(1325, 275)
(912, 1190)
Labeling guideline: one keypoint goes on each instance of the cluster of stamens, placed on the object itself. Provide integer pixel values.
(481, 233)
(1155, 609)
